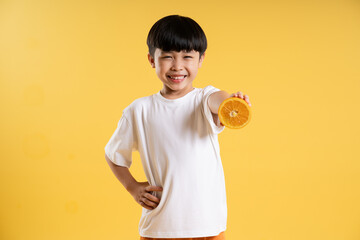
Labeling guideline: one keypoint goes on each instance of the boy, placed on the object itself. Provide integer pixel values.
(175, 132)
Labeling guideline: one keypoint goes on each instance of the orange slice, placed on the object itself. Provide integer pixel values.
(234, 113)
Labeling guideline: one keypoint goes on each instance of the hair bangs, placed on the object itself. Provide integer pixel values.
(178, 38)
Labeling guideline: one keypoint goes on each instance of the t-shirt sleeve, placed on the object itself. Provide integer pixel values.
(215, 128)
(121, 144)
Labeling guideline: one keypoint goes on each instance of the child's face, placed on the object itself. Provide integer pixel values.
(176, 70)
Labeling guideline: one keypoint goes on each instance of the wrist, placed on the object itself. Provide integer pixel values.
(131, 187)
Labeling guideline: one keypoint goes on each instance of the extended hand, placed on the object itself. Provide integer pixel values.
(141, 192)
(240, 95)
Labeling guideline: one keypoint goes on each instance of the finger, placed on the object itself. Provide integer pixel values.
(240, 94)
(145, 206)
(149, 203)
(247, 100)
(153, 188)
(237, 94)
(152, 197)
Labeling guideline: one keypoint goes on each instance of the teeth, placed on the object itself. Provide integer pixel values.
(176, 78)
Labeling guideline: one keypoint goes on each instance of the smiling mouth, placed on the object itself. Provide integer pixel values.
(179, 77)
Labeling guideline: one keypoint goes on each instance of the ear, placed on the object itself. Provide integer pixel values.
(151, 60)
(201, 60)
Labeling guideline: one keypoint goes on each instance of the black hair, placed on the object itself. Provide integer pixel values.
(176, 33)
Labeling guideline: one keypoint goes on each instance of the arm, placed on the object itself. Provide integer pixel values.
(141, 191)
(122, 174)
(216, 99)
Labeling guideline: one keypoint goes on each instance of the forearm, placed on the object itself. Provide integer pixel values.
(123, 175)
(216, 99)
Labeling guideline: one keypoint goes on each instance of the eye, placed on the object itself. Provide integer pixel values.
(188, 56)
(166, 56)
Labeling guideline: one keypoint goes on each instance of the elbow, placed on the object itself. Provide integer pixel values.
(107, 158)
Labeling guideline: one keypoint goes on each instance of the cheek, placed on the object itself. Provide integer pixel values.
(163, 67)
(161, 70)
(193, 68)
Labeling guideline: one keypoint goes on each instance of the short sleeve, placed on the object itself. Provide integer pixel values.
(215, 128)
(121, 144)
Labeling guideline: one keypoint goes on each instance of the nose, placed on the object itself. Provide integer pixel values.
(177, 65)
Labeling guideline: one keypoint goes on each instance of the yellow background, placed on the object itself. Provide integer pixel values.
(69, 68)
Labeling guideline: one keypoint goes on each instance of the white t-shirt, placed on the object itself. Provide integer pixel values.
(179, 149)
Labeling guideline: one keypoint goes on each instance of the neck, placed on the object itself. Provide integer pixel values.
(173, 94)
